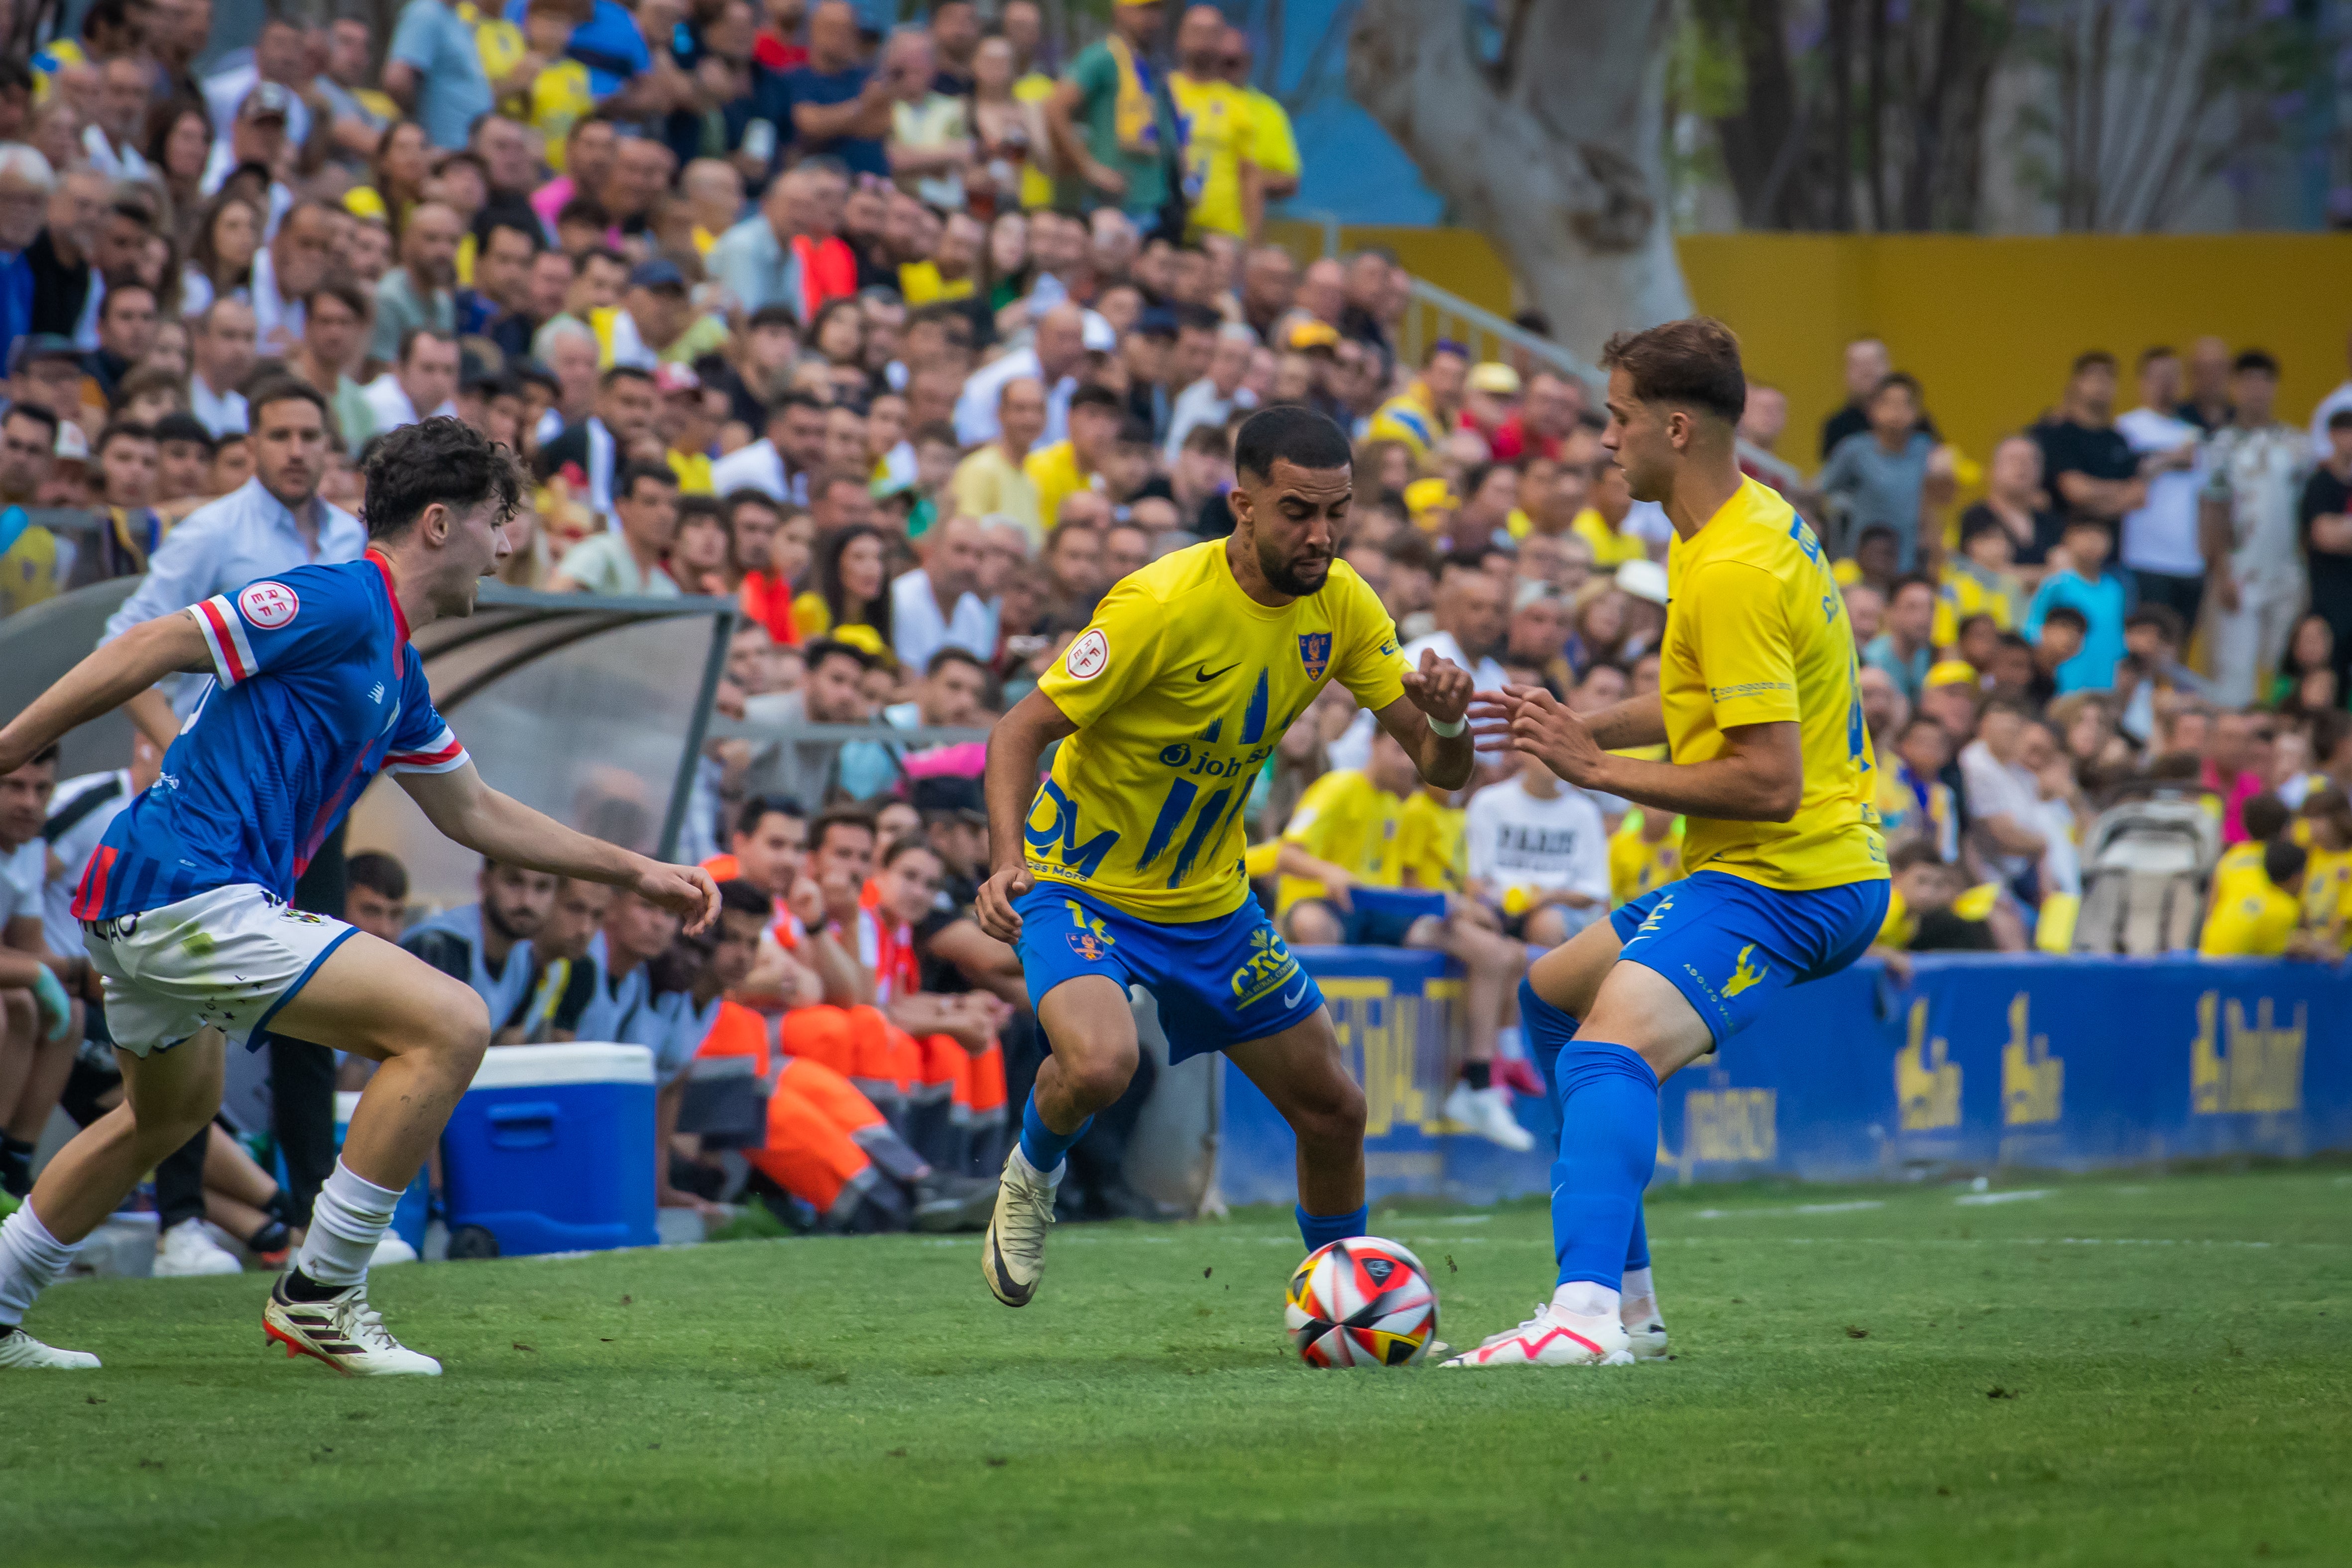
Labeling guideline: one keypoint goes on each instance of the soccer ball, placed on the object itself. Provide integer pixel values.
(1360, 1303)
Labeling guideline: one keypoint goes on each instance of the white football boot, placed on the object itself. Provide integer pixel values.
(343, 1332)
(1487, 1113)
(21, 1350)
(189, 1251)
(1013, 1253)
(1645, 1329)
(1551, 1338)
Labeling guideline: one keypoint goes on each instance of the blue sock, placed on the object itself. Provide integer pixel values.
(1546, 1029)
(1637, 1255)
(1040, 1144)
(1322, 1230)
(1607, 1151)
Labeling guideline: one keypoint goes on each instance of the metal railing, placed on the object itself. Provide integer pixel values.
(1433, 313)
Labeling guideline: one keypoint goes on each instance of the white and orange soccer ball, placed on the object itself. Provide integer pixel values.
(1363, 1301)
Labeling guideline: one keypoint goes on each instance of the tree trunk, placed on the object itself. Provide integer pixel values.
(1556, 153)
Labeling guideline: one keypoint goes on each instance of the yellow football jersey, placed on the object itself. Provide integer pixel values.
(2255, 922)
(1346, 819)
(1180, 686)
(1217, 136)
(1432, 846)
(2327, 893)
(1756, 634)
(2239, 872)
(1635, 865)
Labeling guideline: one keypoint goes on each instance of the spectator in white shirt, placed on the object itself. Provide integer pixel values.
(779, 464)
(294, 262)
(112, 139)
(2004, 799)
(1539, 853)
(934, 606)
(1212, 399)
(221, 348)
(626, 559)
(2159, 539)
(2339, 398)
(1065, 336)
(423, 382)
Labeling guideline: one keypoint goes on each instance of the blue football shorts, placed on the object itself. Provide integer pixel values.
(1219, 983)
(1731, 945)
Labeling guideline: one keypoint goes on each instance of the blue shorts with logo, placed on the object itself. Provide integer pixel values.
(1731, 945)
(1219, 983)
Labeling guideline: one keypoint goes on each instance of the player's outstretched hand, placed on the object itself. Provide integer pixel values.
(995, 907)
(1440, 688)
(686, 891)
(1556, 736)
(1491, 713)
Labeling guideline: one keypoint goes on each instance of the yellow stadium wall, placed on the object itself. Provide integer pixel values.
(1988, 325)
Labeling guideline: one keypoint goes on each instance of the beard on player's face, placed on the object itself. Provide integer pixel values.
(1300, 569)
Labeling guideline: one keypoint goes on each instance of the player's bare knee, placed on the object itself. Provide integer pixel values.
(1332, 1114)
(1311, 924)
(1099, 1073)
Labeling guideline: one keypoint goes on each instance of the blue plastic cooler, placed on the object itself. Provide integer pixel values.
(551, 1149)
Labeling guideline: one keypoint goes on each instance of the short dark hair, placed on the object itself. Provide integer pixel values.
(36, 413)
(122, 430)
(2341, 419)
(738, 896)
(707, 506)
(825, 821)
(1910, 580)
(1895, 378)
(2167, 622)
(344, 291)
(2265, 816)
(2284, 860)
(822, 648)
(624, 483)
(1101, 398)
(2149, 355)
(954, 655)
(410, 337)
(1918, 851)
(1694, 362)
(625, 373)
(378, 873)
(498, 218)
(116, 287)
(286, 389)
(436, 459)
(2255, 360)
(1293, 434)
(2091, 358)
(2066, 616)
(761, 807)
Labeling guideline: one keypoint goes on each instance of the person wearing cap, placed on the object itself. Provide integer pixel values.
(255, 140)
(1422, 415)
(1490, 395)
(1112, 124)
(417, 293)
(685, 426)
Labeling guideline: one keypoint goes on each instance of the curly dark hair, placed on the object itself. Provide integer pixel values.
(436, 460)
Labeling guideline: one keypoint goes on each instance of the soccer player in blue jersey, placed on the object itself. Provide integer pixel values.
(184, 906)
(1125, 865)
(1785, 871)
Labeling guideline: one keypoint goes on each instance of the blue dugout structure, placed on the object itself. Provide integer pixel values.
(1983, 1061)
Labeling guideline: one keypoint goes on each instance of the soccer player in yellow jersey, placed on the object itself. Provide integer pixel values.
(1125, 865)
(1784, 876)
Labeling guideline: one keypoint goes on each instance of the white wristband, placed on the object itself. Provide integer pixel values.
(1440, 727)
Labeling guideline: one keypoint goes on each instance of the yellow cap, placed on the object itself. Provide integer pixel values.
(1951, 672)
(361, 200)
(1430, 495)
(1313, 335)
(1495, 378)
(1977, 902)
(1846, 571)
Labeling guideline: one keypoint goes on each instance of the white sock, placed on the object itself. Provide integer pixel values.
(1584, 1299)
(1509, 1046)
(1639, 1289)
(346, 1223)
(29, 1258)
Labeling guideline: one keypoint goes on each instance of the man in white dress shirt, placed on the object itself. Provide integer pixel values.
(779, 464)
(934, 605)
(1065, 336)
(421, 384)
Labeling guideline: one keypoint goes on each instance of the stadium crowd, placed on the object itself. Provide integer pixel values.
(911, 346)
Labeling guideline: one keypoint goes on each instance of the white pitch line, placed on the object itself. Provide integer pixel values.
(1985, 1200)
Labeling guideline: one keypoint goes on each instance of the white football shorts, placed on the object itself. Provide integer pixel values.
(229, 958)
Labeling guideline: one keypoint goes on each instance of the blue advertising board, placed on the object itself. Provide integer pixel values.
(1982, 1061)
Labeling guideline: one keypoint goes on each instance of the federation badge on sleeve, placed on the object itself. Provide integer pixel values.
(1315, 653)
(268, 605)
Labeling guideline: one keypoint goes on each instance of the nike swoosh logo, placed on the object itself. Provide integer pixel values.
(1290, 998)
(1204, 673)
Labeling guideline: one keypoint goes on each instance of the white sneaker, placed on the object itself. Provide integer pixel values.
(1646, 1332)
(1551, 1338)
(189, 1250)
(1487, 1113)
(392, 1249)
(343, 1332)
(1013, 1253)
(21, 1349)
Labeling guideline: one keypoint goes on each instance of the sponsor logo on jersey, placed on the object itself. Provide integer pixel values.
(268, 605)
(1269, 966)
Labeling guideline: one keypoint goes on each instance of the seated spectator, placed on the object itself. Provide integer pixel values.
(422, 385)
(376, 895)
(1903, 646)
(487, 945)
(616, 432)
(2063, 633)
(2326, 825)
(2151, 668)
(1538, 855)
(2004, 799)
(1076, 462)
(953, 695)
(934, 606)
(1341, 842)
(1646, 852)
(832, 693)
(2260, 916)
(850, 593)
(628, 558)
(1915, 803)
(2086, 585)
(1978, 581)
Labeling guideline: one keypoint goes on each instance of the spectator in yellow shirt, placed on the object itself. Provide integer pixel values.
(2240, 870)
(1599, 524)
(1220, 181)
(1272, 147)
(1419, 417)
(2262, 920)
(993, 481)
(1431, 852)
(1646, 852)
(1067, 467)
(2326, 826)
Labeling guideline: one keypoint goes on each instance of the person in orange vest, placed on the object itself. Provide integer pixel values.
(826, 1144)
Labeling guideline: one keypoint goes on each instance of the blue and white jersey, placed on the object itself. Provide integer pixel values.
(315, 692)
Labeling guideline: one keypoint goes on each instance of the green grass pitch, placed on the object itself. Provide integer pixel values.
(2146, 1370)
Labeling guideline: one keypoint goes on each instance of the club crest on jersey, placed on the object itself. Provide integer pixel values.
(268, 605)
(1315, 653)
